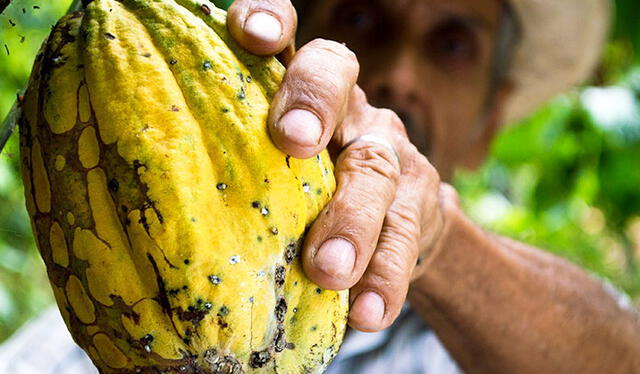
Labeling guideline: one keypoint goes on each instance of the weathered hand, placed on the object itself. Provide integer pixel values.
(386, 212)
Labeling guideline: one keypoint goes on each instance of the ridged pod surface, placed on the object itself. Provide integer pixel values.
(169, 222)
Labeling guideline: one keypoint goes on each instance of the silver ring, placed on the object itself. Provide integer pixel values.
(370, 138)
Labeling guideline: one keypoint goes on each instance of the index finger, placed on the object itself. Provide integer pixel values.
(262, 27)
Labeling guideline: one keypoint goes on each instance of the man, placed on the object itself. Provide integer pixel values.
(452, 72)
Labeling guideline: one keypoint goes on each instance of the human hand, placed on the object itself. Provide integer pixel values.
(386, 213)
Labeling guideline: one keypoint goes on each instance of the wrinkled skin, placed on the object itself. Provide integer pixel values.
(498, 306)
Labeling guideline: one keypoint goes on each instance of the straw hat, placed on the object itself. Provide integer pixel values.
(560, 46)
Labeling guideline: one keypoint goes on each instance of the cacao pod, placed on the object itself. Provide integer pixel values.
(169, 223)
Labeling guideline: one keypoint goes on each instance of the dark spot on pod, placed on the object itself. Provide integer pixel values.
(113, 185)
(148, 338)
(290, 346)
(223, 312)
(280, 275)
(295, 283)
(186, 340)
(225, 110)
(274, 230)
(193, 314)
(207, 65)
(242, 94)
(295, 310)
(22, 39)
(319, 191)
(259, 359)
(174, 108)
(186, 261)
(193, 219)
(173, 291)
(287, 160)
(290, 252)
(205, 9)
(109, 36)
(248, 79)
(220, 365)
(314, 328)
(185, 287)
(306, 187)
(221, 186)
(173, 62)
(255, 204)
(281, 310)
(222, 323)
(147, 55)
(318, 290)
(6, 48)
(266, 180)
(259, 238)
(214, 279)
(419, 261)
(57, 60)
(36, 7)
(280, 343)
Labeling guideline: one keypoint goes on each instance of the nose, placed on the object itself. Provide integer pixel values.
(395, 82)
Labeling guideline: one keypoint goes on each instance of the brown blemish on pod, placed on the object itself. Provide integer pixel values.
(259, 359)
(109, 352)
(281, 310)
(80, 301)
(40, 179)
(88, 149)
(59, 249)
(217, 364)
(279, 276)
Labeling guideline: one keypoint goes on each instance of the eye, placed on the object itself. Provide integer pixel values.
(358, 16)
(452, 42)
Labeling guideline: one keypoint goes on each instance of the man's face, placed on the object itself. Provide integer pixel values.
(428, 60)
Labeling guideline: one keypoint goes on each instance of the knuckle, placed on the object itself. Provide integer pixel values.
(370, 159)
(340, 54)
(391, 120)
(418, 166)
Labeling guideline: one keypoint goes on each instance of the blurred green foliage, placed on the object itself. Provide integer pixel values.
(566, 179)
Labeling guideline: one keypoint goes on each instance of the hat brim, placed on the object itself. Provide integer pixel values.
(561, 44)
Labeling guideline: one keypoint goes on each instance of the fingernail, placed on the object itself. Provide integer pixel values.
(263, 26)
(336, 257)
(368, 311)
(301, 127)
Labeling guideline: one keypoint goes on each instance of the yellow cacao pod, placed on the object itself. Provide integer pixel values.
(169, 223)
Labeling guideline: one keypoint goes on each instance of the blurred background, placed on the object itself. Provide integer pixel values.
(567, 179)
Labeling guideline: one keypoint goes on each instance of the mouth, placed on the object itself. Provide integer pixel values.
(420, 133)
